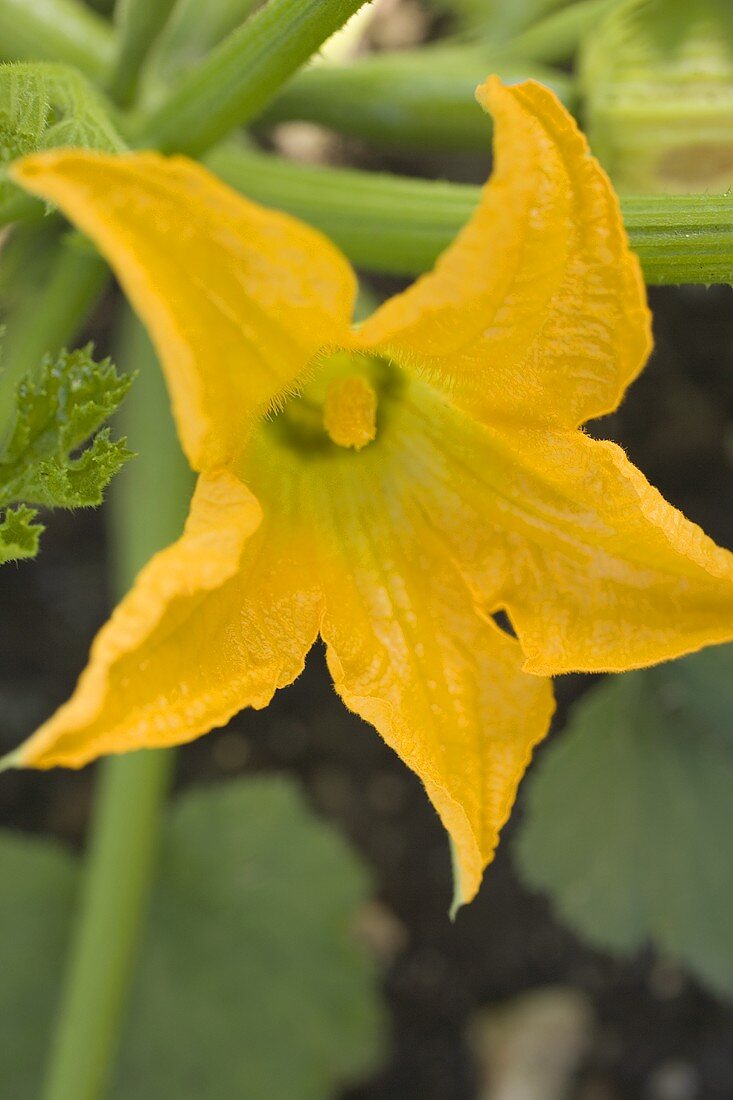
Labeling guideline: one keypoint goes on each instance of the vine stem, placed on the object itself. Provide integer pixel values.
(132, 789)
(399, 226)
(139, 24)
(118, 874)
(234, 82)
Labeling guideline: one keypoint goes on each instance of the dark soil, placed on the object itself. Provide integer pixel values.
(677, 425)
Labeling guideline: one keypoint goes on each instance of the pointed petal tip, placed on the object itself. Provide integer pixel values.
(11, 760)
(465, 888)
(493, 91)
(487, 89)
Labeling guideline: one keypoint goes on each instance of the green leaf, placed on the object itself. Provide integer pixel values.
(19, 535)
(629, 815)
(54, 416)
(250, 982)
(42, 106)
(38, 881)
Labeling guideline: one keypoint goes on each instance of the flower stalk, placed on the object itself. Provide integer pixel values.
(132, 788)
(139, 24)
(118, 873)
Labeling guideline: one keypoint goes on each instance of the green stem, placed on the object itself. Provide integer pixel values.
(74, 284)
(555, 38)
(499, 22)
(233, 84)
(192, 31)
(130, 799)
(119, 870)
(411, 98)
(56, 30)
(139, 24)
(396, 225)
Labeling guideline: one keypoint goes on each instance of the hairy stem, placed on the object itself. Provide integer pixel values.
(237, 79)
(395, 225)
(139, 24)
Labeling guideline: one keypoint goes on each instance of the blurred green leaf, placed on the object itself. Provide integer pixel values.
(629, 815)
(38, 883)
(250, 982)
(42, 106)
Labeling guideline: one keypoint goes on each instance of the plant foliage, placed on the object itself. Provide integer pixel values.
(43, 106)
(628, 814)
(250, 980)
(43, 460)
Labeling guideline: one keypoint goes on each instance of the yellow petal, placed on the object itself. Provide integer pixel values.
(407, 649)
(212, 625)
(537, 313)
(444, 687)
(596, 570)
(606, 574)
(236, 298)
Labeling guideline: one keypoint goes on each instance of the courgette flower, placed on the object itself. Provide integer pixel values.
(390, 486)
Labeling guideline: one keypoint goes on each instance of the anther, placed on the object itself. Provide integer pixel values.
(350, 411)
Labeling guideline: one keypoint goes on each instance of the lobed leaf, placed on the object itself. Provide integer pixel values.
(628, 812)
(19, 534)
(45, 105)
(38, 880)
(249, 952)
(41, 461)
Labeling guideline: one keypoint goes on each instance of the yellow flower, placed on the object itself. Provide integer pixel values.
(390, 487)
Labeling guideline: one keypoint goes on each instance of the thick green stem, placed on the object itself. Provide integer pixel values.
(56, 30)
(237, 79)
(74, 284)
(118, 873)
(139, 24)
(399, 226)
(408, 98)
(193, 30)
(148, 509)
(555, 38)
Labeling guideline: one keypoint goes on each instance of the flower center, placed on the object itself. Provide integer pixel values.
(345, 404)
(350, 411)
